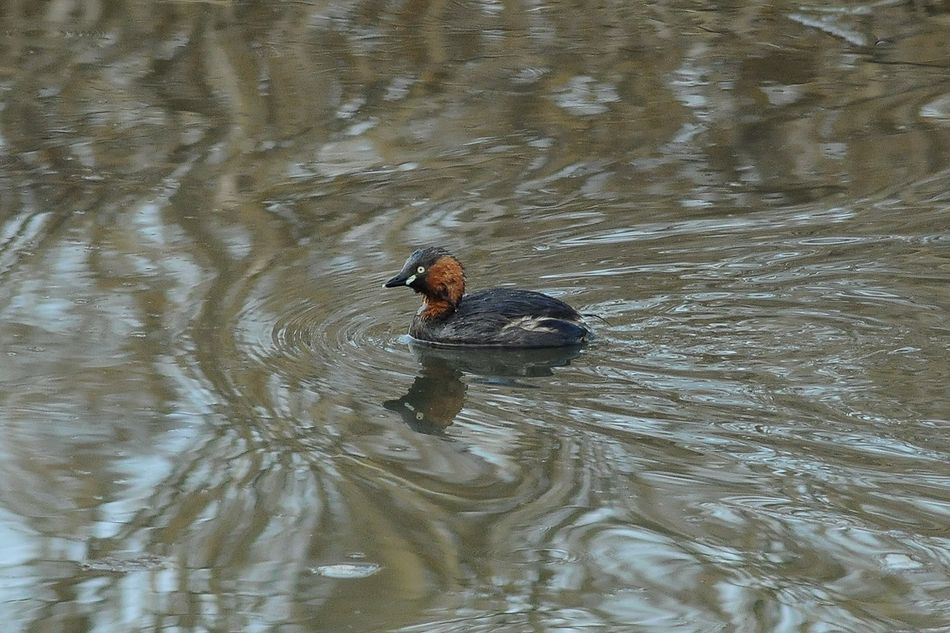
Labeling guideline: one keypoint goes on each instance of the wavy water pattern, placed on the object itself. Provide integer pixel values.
(212, 418)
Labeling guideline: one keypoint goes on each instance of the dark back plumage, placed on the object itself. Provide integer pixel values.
(505, 317)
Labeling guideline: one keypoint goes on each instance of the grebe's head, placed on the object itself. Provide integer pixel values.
(434, 272)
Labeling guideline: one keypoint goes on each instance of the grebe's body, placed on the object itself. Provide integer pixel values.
(500, 317)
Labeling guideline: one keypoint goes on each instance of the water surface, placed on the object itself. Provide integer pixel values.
(211, 419)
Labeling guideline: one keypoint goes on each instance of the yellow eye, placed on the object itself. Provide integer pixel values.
(420, 270)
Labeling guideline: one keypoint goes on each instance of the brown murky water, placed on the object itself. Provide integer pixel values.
(210, 418)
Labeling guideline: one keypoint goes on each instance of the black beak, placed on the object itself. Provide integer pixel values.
(408, 273)
(398, 280)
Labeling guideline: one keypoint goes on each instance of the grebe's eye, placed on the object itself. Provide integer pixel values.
(421, 269)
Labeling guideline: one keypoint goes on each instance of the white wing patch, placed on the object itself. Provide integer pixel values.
(532, 324)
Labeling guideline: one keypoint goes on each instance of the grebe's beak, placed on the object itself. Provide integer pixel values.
(402, 279)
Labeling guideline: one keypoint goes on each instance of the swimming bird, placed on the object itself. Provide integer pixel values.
(498, 317)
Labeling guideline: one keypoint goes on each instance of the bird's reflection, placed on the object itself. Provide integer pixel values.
(437, 394)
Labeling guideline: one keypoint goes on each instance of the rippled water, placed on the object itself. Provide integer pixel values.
(212, 419)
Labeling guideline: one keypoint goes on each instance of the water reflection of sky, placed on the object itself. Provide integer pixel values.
(211, 417)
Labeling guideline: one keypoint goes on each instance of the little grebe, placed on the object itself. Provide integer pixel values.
(499, 317)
